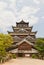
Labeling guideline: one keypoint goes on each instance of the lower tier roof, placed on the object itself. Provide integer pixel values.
(23, 51)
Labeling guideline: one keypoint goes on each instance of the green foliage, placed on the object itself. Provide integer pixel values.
(34, 56)
(8, 41)
(40, 46)
(14, 56)
(5, 42)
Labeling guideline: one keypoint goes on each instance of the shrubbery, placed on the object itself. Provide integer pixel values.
(34, 56)
(13, 56)
(40, 47)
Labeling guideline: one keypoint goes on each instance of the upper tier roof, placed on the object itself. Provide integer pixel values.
(20, 28)
(22, 22)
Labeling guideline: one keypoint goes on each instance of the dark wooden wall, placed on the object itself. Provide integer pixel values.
(24, 46)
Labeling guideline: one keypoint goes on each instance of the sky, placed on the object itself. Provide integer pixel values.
(12, 11)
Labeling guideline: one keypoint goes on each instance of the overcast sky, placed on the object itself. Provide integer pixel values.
(31, 11)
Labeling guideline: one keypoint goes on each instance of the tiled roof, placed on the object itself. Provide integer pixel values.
(22, 22)
(16, 38)
(29, 38)
(23, 51)
(24, 40)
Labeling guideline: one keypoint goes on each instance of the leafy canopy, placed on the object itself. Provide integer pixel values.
(5, 42)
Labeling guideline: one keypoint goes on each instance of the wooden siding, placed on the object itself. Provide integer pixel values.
(24, 46)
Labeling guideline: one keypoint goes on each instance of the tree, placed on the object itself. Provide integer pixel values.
(40, 47)
(5, 42)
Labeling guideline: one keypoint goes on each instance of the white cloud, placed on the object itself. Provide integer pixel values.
(12, 4)
(42, 17)
(7, 17)
(27, 14)
(9, 14)
(36, 1)
(29, 10)
(33, 20)
(2, 6)
(42, 1)
(20, 1)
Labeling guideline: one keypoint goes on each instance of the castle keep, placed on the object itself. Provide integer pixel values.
(23, 39)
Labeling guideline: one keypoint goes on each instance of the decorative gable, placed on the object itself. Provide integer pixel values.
(24, 46)
(31, 39)
(26, 42)
(22, 31)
